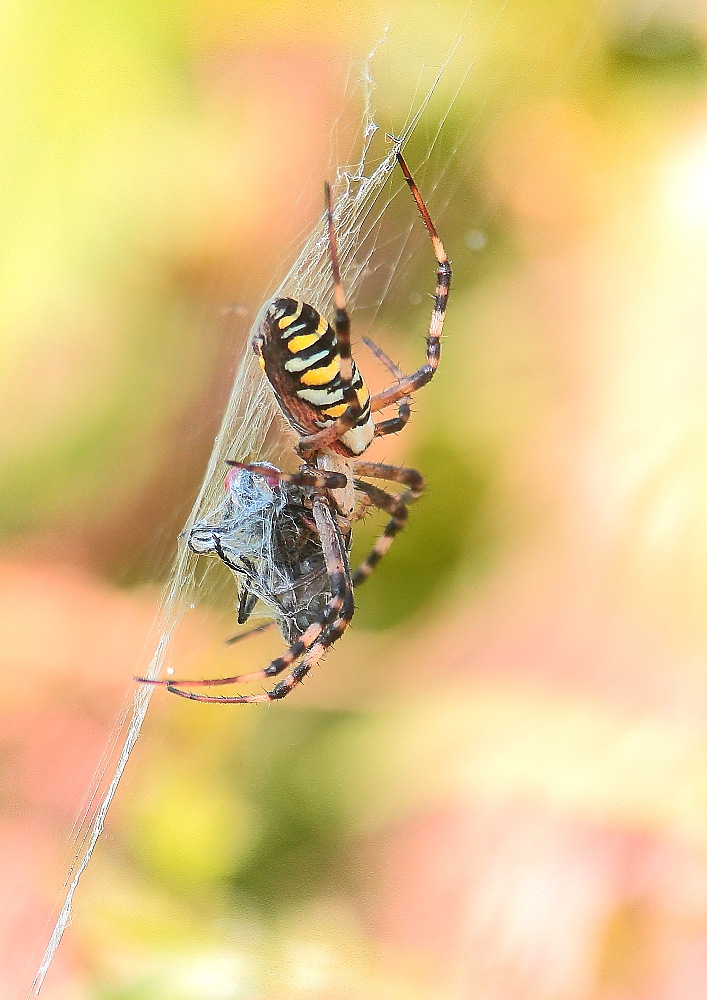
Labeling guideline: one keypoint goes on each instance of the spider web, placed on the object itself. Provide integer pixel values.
(359, 206)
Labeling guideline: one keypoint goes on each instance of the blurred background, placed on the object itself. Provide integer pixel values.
(495, 787)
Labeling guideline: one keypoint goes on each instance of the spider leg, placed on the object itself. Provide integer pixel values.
(395, 424)
(317, 480)
(342, 324)
(410, 478)
(311, 645)
(423, 375)
(396, 506)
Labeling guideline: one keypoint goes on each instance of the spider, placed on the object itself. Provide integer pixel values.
(324, 398)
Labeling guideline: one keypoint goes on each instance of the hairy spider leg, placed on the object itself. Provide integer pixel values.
(314, 478)
(423, 375)
(410, 478)
(396, 506)
(394, 424)
(342, 325)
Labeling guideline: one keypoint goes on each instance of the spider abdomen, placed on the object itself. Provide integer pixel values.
(299, 354)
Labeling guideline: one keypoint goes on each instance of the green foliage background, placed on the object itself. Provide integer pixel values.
(158, 163)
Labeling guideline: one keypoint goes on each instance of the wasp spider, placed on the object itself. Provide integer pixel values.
(286, 536)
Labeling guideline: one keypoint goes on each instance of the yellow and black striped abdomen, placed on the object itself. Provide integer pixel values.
(299, 353)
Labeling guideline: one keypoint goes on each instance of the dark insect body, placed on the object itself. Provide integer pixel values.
(306, 516)
(264, 533)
